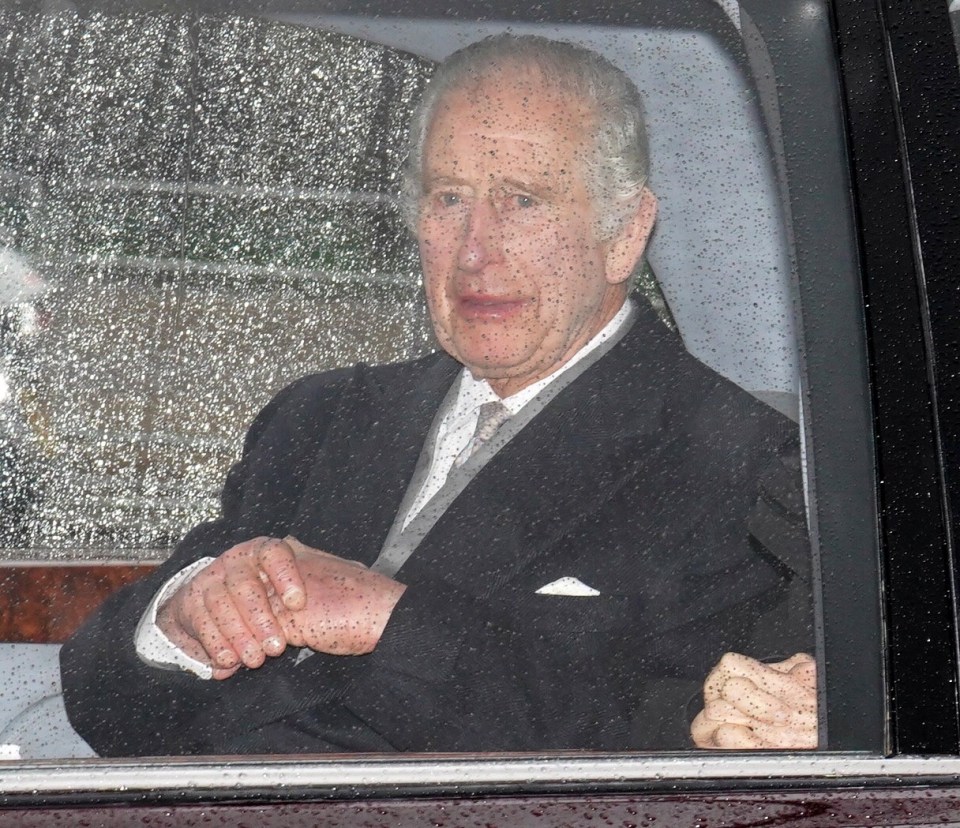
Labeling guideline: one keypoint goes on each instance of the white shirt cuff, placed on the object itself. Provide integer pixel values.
(153, 647)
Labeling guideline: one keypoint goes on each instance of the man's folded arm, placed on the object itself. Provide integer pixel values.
(480, 675)
(117, 702)
(503, 672)
(770, 700)
(114, 699)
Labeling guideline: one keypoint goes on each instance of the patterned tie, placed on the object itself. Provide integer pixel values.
(492, 416)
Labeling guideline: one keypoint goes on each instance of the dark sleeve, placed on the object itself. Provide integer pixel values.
(454, 674)
(122, 706)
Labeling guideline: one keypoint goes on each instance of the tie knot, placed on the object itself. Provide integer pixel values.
(491, 416)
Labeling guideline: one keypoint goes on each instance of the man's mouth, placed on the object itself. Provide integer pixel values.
(481, 307)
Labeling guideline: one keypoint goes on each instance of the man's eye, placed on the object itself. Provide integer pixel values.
(524, 201)
(448, 199)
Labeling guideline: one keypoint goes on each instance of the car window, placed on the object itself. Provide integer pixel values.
(175, 249)
(197, 209)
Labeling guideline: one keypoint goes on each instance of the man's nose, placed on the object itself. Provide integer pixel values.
(481, 237)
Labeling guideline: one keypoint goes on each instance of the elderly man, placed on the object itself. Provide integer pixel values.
(536, 539)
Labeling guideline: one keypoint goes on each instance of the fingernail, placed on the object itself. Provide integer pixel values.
(273, 645)
(226, 658)
(293, 597)
(779, 717)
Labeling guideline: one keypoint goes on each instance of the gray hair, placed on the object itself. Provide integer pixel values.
(618, 172)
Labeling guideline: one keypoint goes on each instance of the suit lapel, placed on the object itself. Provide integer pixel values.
(369, 459)
(400, 542)
(596, 436)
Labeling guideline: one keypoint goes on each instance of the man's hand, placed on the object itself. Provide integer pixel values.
(347, 605)
(752, 705)
(225, 615)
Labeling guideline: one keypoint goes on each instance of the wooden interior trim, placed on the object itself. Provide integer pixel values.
(45, 603)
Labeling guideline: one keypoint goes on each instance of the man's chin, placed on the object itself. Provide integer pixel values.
(506, 378)
(493, 368)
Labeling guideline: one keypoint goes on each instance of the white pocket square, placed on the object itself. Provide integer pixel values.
(573, 587)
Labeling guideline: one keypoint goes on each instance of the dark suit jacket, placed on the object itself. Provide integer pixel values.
(640, 479)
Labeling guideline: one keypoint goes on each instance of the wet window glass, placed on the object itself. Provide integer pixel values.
(153, 245)
(197, 210)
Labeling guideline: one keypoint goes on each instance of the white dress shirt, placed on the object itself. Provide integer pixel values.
(454, 432)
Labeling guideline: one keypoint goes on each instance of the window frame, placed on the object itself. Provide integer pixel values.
(907, 217)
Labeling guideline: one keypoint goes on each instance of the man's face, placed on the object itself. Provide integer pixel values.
(517, 280)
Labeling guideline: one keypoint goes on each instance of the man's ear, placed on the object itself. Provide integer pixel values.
(628, 245)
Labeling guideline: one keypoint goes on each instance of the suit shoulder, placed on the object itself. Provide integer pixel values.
(724, 402)
(318, 395)
(716, 405)
(338, 381)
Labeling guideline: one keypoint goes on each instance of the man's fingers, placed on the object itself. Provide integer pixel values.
(713, 715)
(723, 711)
(784, 685)
(237, 609)
(702, 730)
(219, 652)
(707, 733)
(176, 624)
(276, 559)
(794, 661)
(800, 710)
(730, 665)
(737, 737)
(750, 705)
(227, 632)
(716, 678)
(806, 673)
(190, 609)
(292, 631)
(224, 616)
(732, 733)
(250, 597)
(786, 738)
